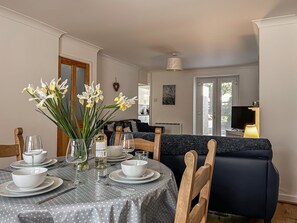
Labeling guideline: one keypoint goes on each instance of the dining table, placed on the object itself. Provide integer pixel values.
(97, 198)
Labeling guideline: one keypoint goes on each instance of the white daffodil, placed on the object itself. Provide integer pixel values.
(63, 88)
(41, 97)
(52, 85)
(123, 102)
(43, 86)
(91, 95)
(30, 89)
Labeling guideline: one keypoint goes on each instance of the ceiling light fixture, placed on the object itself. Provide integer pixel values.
(174, 63)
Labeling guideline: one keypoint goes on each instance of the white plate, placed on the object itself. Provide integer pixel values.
(148, 173)
(17, 165)
(46, 161)
(114, 176)
(6, 193)
(129, 156)
(13, 188)
(116, 157)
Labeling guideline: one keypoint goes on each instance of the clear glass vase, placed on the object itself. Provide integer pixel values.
(85, 165)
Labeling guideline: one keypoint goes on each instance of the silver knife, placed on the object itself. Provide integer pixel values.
(56, 195)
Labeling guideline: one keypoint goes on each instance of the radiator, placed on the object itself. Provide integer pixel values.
(171, 127)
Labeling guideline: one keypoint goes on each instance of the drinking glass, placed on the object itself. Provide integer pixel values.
(76, 153)
(127, 142)
(33, 146)
(142, 155)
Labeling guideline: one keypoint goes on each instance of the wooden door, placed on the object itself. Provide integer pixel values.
(77, 74)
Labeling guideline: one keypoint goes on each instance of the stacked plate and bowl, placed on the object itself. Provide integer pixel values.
(28, 180)
(134, 172)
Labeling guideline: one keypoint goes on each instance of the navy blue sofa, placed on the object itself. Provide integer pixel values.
(245, 181)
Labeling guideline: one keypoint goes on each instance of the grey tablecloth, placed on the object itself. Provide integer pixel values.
(93, 201)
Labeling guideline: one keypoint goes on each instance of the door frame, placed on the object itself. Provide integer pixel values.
(235, 101)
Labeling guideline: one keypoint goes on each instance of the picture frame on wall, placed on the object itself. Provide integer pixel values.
(168, 95)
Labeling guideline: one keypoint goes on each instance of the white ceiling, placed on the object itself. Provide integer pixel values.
(205, 33)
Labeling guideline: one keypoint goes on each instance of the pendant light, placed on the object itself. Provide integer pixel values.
(174, 63)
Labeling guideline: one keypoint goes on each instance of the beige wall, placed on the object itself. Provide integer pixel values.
(278, 80)
(110, 68)
(182, 111)
(27, 54)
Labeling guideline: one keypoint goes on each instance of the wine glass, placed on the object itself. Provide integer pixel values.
(33, 146)
(127, 142)
(76, 153)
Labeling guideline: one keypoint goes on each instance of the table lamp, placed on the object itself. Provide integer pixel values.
(251, 131)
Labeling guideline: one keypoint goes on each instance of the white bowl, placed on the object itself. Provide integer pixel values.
(37, 158)
(29, 177)
(114, 151)
(134, 168)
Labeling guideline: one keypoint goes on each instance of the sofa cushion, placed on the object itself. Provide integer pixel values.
(110, 127)
(134, 126)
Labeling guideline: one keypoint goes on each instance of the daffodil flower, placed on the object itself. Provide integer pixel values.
(29, 89)
(123, 102)
(46, 97)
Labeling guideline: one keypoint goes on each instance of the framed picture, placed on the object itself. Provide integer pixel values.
(168, 95)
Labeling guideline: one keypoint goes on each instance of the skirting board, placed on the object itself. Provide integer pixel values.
(287, 198)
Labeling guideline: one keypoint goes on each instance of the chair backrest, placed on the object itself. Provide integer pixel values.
(10, 150)
(17, 148)
(142, 144)
(19, 139)
(193, 183)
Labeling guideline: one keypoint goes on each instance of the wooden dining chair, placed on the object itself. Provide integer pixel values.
(15, 149)
(142, 144)
(193, 183)
(19, 139)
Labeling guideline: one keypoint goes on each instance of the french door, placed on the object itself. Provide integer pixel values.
(77, 75)
(214, 99)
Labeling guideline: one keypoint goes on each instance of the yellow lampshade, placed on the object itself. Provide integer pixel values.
(251, 132)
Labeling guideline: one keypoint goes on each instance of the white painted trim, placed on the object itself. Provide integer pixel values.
(195, 79)
(28, 21)
(276, 21)
(119, 60)
(95, 47)
(287, 198)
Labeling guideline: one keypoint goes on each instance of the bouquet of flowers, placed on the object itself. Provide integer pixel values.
(49, 102)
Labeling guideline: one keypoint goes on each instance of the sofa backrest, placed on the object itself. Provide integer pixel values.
(172, 144)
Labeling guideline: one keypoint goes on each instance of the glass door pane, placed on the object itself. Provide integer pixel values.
(80, 87)
(207, 111)
(66, 75)
(205, 119)
(226, 106)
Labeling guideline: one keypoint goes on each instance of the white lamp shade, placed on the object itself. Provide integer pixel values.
(251, 132)
(174, 64)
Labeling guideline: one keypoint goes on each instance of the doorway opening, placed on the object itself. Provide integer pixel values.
(144, 103)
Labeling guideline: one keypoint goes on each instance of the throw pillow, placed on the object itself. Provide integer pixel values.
(134, 126)
(127, 129)
(110, 127)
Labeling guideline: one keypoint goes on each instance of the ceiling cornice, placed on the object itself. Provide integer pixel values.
(87, 44)
(276, 21)
(26, 20)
